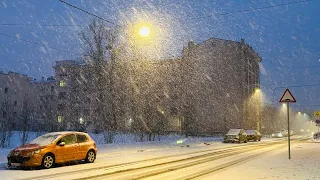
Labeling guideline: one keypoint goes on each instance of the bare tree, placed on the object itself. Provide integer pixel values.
(100, 47)
(6, 123)
(26, 117)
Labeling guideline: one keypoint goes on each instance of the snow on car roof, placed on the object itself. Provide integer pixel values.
(62, 132)
(234, 131)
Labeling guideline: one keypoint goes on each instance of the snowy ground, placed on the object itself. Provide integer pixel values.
(304, 165)
(114, 156)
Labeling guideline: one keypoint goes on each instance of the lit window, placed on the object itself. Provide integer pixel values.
(59, 119)
(63, 83)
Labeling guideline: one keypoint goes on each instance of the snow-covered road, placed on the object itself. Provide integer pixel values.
(154, 161)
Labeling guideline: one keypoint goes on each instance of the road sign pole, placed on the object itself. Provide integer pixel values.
(288, 130)
(288, 98)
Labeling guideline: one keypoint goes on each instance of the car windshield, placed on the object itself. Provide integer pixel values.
(250, 132)
(233, 132)
(45, 139)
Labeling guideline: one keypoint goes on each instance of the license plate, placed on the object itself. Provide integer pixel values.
(15, 164)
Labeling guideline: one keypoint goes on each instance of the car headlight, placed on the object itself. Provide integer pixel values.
(37, 151)
(30, 153)
(34, 152)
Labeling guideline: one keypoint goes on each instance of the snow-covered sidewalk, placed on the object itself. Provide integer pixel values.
(133, 147)
(304, 164)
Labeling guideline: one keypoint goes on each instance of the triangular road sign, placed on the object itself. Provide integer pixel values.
(287, 97)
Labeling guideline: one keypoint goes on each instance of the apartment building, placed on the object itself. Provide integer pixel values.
(219, 76)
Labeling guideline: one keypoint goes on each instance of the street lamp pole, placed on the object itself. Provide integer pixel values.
(258, 94)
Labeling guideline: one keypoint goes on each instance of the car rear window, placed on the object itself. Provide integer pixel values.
(250, 132)
(82, 138)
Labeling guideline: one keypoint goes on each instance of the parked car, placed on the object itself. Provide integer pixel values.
(277, 134)
(236, 135)
(291, 133)
(316, 135)
(284, 132)
(253, 135)
(52, 148)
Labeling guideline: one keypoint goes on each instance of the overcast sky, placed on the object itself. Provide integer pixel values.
(286, 37)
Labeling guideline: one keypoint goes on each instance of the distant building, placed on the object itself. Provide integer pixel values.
(79, 103)
(25, 102)
(219, 76)
(14, 91)
(46, 106)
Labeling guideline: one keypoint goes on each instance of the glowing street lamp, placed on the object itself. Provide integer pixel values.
(144, 31)
(257, 93)
(257, 90)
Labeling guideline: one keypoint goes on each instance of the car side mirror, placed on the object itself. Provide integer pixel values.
(62, 144)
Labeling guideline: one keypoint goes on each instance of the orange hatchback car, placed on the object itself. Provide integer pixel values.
(52, 148)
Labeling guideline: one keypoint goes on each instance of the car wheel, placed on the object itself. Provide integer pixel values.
(48, 161)
(91, 156)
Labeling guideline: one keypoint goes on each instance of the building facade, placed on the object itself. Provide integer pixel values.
(27, 104)
(219, 77)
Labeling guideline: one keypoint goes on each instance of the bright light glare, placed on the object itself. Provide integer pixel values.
(81, 120)
(144, 31)
(179, 141)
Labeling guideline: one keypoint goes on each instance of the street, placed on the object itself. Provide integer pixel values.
(194, 161)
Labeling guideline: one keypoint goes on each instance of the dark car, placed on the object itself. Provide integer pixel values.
(316, 135)
(236, 135)
(253, 135)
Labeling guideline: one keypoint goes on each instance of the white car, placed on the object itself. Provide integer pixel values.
(277, 134)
